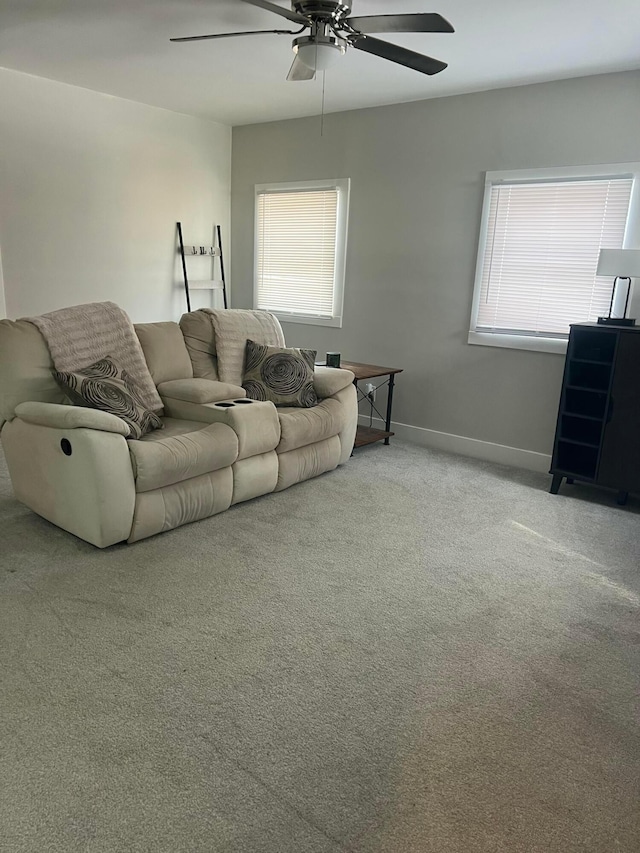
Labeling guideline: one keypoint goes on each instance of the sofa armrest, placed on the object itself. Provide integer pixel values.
(199, 390)
(59, 416)
(79, 479)
(327, 381)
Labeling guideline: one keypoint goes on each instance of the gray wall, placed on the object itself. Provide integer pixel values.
(417, 176)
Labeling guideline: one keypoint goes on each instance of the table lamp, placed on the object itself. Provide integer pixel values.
(620, 263)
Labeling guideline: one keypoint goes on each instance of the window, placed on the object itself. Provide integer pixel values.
(540, 238)
(300, 250)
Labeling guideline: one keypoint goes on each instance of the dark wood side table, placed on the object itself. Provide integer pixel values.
(364, 434)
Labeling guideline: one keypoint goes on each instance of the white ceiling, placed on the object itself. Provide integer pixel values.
(122, 47)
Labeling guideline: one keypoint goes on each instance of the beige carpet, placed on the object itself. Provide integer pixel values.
(416, 652)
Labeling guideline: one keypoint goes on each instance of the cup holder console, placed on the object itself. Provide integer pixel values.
(254, 422)
(230, 404)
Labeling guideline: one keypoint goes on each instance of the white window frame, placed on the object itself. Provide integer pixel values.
(343, 187)
(563, 173)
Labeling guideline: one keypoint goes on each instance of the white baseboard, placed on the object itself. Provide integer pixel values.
(500, 453)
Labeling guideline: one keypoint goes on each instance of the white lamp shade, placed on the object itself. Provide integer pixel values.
(319, 56)
(619, 262)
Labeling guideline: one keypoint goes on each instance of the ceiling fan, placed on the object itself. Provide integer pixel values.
(332, 31)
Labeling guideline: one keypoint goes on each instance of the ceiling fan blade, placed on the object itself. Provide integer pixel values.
(299, 71)
(272, 7)
(423, 22)
(417, 61)
(230, 35)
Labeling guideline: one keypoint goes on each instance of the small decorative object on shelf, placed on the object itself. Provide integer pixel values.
(598, 424)
(333, 359)
(622, 264)
(369, 434)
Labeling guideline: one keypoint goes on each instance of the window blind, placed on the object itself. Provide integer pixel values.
(541, 252)
(296, 251)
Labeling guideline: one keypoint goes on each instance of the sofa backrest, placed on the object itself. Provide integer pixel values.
(222, 359)
(25, 368)
(26, 365)
(200, 339)
(164, 351)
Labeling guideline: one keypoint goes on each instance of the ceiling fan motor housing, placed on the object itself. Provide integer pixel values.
(326, 9)
(319, 51)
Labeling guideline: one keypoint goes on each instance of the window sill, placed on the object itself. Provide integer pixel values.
(533, 344)
(336, 322)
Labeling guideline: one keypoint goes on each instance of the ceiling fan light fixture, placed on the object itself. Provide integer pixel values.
(319, 53)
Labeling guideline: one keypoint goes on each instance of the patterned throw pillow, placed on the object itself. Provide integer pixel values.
(282, 375)
(105, 386)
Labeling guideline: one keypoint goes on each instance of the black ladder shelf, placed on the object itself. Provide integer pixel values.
(212, 252)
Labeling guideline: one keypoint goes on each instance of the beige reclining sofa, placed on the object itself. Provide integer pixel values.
(76, 467)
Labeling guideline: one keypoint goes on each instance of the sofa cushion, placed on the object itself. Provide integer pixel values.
(299, 427)
(184, 450)
(181, 503)
(306, 462)
(164, 351)
(173, 426)
(254, 476)
(281, 375)
(105, 386)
